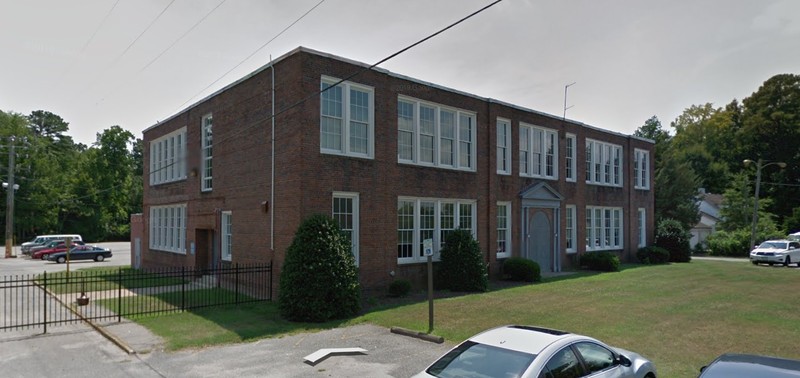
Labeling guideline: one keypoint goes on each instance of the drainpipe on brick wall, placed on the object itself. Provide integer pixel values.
(272, 170)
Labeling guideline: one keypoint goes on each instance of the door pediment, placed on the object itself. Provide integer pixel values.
(541, 195)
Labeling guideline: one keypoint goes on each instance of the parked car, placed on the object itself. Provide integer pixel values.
(44, 239)
(534, 352)
(82, 252)
(60, 246)
(748, 366)
(776, 252)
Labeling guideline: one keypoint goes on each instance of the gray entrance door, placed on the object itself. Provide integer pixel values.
(539, 245)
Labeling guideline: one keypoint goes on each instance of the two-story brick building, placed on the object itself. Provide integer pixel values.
(395, 160)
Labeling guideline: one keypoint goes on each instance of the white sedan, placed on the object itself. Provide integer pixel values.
(776, 252)
(533, 352)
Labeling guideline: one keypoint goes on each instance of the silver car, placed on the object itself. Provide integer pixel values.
(776, 252)
(533, 352)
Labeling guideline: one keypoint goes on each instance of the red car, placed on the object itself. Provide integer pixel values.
(60, 247)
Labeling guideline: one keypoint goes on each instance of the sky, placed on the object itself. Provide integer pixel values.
(99, 63)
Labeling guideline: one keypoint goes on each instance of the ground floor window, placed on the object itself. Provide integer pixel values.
(642, 224)
(571, 229)
(226, 236)
(345, 211)
(503, 230)
(429, 218)
(603, 228)
(168, 228)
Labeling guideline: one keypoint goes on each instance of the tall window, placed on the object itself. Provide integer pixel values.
(603, 228)
(433, 135)
(641, 169)
(570, 157)
(345, 211)
(642, 227)
(226, 236)
(346, 119)
(427, 218)
(208, 154)
(168, 158)
(603, 163)
(168, 228)
(503, 147)
(571, 229)
(539, 148)
(503, 230)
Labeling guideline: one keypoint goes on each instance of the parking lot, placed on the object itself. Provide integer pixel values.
(78, 350)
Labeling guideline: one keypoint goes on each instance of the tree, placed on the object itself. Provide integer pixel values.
(652, 129)
(48, 125)
(676, 187)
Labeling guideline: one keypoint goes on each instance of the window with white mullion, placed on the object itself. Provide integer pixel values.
(429, 134)
(524, 151)
(550, 152)
(447, 125)
(570, 157)
(207, 153)
(405, 230)
(642, 227)
(447, 221)
(503, 230)
(227, 236)
(424, 218)
(604, 228)
(503, 147)
(346, 118)
(427, 224)
(641, 169)
(571, 228)
(603, 163)
(168, 228)
(466, 129)
(538, 149)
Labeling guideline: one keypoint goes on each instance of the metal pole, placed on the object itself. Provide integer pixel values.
(10, 201)
(430, 293)
(755, 206)
(565, 99)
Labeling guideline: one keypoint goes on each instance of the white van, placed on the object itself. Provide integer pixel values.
(43, 239)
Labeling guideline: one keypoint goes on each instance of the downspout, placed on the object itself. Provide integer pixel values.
(272, 169)
(489, 190)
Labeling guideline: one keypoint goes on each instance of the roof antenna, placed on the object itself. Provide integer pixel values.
(565, 100)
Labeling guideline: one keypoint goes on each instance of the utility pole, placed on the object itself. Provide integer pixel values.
(10, 201)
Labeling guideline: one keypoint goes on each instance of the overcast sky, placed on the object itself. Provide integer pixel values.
(99, 63)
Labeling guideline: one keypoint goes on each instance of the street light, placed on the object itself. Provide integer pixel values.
(760, 164)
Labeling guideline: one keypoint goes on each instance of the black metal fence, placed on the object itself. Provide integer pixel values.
(62, 298)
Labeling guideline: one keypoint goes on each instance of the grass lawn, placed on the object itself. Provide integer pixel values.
(680, 316)
(104, 278)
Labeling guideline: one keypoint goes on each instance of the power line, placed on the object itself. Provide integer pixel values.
(99, 26)
(251, 54)
(142, 33)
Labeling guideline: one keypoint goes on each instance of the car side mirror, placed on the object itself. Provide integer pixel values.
(624, 361)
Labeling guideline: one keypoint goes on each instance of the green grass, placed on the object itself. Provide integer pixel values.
(103, 278)
(680, 316)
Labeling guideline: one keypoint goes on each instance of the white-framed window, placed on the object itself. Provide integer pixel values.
(168, 228)
(429, 218)
(641, 222)
(539, 147)
(571, 229)
(570, 157)
(434, 135)
(503, 146)
(345, 211)
(208, 154)
(603, 228)
(603, 163)
(641, 169)
(347, 119)
(503, 230)
(168, 158)
(227, 236)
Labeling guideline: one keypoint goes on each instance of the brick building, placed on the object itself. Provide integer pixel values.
(396, 161)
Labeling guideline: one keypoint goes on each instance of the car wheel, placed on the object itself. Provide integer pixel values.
(771, 263)
(787, 261)
(44, 257)
(99, 258)
(61, 259)
(754, 262)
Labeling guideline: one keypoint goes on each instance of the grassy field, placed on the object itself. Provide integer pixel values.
(103, 278)
(680, 316)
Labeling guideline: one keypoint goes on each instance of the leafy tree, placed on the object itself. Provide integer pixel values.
(673, 237)
(48, 125)
(461, 267)
(676, 187)
(653, 130)
(319, 278)
(737, 205)
(792, 224)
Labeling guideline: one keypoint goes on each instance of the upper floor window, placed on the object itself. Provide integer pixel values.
(603, 163)
(433, 135)
(346, 119)
(207, 143)
(538, 150)
(168, 158)
(570, 157)
(641, 169)
(503, 147)
(227, 236)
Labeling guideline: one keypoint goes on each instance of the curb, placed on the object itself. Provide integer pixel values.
(417, 335)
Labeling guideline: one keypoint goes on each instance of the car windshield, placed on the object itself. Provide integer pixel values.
(773, 245)
(474, 360)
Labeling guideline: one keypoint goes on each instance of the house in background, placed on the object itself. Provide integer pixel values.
(396, 161)
(709, 207)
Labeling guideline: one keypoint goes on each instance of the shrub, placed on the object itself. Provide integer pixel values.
(729, 243)
(319, 279)
(521, 269)
(671, 236)
(652, 255)
(602, 261)
(399, 288)
(461, 267)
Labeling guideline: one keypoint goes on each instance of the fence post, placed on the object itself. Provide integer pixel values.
(44, 302)
(270, 280)
(183, 288)
(119, 295)
(236, 275)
